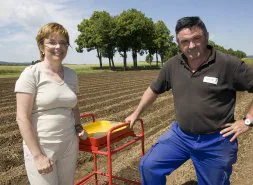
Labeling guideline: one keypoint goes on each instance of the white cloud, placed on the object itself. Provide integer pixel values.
(26, 13)
(20, 23)
(6, 10)
(30, 14)
(17, 37)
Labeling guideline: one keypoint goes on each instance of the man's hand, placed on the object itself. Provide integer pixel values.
(44, 164)
(236, 128)
(147, 99)
(131, 119)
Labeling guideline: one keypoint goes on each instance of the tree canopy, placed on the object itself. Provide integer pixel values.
(238, 53)
(132, 31)
(129, 31)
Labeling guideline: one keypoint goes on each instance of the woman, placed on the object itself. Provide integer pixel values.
(48, 113)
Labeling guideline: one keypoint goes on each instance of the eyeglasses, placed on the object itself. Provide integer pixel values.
(53, 43)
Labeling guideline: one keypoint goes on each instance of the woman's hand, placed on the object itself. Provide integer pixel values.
(43, 163)
(83, 135)
(81, 132)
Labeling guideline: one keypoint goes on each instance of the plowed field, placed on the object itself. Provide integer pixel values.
(113, 96)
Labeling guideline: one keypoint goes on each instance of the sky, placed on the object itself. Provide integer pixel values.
(229, 23)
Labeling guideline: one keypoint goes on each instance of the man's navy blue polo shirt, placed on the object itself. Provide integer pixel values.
(204, 100)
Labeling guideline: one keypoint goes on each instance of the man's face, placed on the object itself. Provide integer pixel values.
(192, 42)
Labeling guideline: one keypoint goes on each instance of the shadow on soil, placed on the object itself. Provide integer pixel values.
(191, 182)
(133, 174)
(128, 68)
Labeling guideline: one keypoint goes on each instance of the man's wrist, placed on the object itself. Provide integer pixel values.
(248, 121)
(249, 116)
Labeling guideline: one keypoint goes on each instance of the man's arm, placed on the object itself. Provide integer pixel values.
(237, 128)
(147, 99)
(243, 80)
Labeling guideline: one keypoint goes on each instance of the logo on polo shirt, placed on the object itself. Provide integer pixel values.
(211, 80)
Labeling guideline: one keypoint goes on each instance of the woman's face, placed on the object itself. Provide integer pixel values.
(55, 48)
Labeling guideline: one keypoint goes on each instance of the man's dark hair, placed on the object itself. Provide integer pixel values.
(188, 22)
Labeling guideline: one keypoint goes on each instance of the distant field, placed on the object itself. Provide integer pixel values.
(8, 71)
(14, 71)
(248, 60)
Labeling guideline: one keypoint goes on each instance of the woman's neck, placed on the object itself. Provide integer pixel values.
(53, 66)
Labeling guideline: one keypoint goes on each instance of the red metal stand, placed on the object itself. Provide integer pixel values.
(94, 146)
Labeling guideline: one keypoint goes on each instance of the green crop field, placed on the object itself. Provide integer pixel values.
(248, 60)
(8, 71)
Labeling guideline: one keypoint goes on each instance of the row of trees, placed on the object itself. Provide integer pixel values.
(129, 31)
(238, 53)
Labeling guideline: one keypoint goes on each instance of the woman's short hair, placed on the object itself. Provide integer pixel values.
(46, 31)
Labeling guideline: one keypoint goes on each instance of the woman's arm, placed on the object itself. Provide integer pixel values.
(78, 126)
(24, 111)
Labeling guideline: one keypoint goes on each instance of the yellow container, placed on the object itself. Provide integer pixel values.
(100, 128)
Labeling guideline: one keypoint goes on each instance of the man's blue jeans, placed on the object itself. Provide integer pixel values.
(211, 154)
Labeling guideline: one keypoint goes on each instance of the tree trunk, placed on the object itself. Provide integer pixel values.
(162, 57)
(100, 58)
(135, 60)
(134, 55)
(110, 65)
(125, 62)
(156, 59)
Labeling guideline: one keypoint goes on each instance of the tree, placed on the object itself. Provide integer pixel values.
(108, 51)
(149, 44)
(171, 51)
(149, 58)
(95, 33)
(109, 39)
(238, 53)
(132, 29)
(35, 62)
(163, 39)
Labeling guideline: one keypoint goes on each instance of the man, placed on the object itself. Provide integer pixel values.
(204, 82)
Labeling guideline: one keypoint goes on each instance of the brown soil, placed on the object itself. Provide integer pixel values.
(113, 96)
